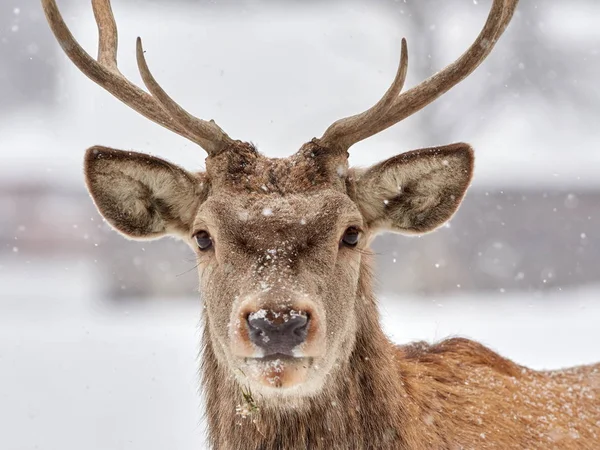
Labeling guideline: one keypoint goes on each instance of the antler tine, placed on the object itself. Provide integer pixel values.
(355, 128)
(507, 14)
(106, 74)
(213, 138)
(108, 38)
(344, 132)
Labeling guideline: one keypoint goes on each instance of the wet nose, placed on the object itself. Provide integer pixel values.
(278, 332)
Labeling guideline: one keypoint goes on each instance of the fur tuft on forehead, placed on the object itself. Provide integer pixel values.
(242, 168)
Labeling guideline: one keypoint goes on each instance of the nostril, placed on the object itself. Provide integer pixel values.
(298, 324)
(300, 330)
(258, 321)
(257, 327)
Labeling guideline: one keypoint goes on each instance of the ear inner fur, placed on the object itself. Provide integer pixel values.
(142, 196)
(417, 191)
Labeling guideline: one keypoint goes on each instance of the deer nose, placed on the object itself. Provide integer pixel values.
(278, 332)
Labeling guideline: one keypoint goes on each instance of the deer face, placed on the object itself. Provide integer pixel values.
(279, 282)
(280, 243)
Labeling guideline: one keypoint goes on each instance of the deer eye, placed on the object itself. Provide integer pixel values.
(203, 240)
(351, 237)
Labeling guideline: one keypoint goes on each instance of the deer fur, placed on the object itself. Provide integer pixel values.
(456, 394)
(453, 395)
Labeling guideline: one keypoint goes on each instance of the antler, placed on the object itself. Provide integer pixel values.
(156, 106)
(392, 108)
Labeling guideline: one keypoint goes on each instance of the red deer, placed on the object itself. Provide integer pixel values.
(294, 356)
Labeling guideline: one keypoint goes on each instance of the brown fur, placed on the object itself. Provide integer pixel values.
(456, 394)
(276, 225)
(242, 168)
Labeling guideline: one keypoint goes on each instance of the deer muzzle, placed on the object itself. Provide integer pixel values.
(278, 333)
(263, 329)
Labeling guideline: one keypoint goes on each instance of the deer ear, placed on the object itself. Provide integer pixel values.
(142, 196)
(417, 191)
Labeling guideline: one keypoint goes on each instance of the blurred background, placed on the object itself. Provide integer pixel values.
(99, 336)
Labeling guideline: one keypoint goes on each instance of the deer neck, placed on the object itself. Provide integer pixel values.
(362, 404)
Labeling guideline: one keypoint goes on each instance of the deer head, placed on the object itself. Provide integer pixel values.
(281, 244)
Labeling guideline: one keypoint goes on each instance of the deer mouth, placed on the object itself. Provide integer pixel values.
(280, 357)
(278, 370)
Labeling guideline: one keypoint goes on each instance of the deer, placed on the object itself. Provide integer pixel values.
(293, 353)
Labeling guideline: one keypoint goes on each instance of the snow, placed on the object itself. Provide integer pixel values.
(80, 372)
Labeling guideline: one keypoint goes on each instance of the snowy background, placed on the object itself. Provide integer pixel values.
(99, 336)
